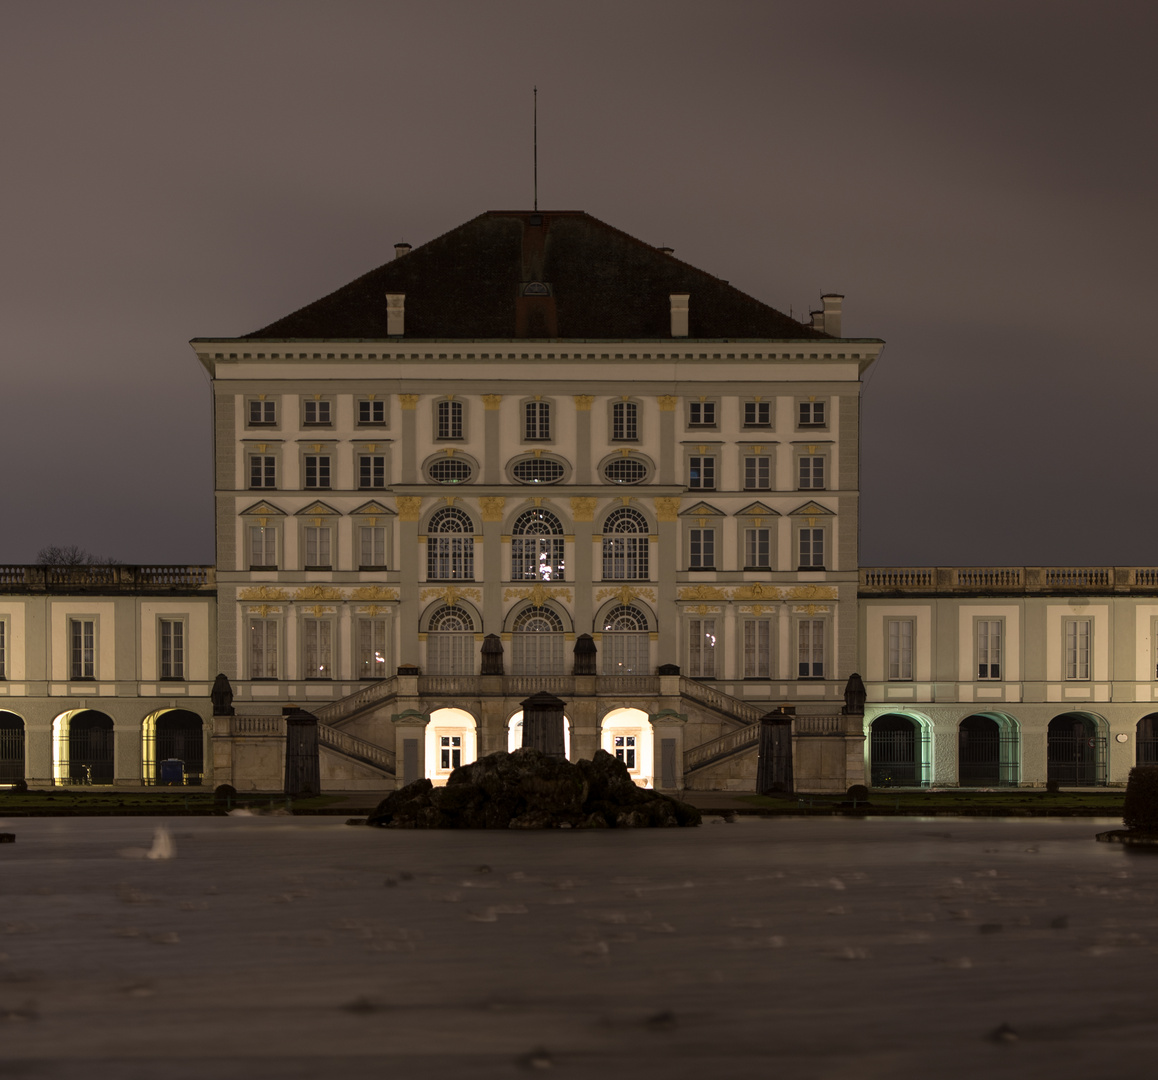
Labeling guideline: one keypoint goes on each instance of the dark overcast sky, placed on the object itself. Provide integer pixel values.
(977, 178)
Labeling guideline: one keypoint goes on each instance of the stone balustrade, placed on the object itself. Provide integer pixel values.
(958, 580)
(107, 578)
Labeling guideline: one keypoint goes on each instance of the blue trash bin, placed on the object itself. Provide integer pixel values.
(171, 771)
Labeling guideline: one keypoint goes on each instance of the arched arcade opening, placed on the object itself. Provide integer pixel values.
(898, 752)
(1146, 740)
(83, 748)
(626, 735)
(988, 750)
(11, 748)
(173, 748)
(451, 741)
(1076, 750)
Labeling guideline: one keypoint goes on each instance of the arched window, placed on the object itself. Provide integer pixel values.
(625, 545)
(1146, 740)
(625, 642)
(450, 546)
(11, 747)
(450, 642)
(1076, 750)
(898, 752)
(537, 643)
(537, 547)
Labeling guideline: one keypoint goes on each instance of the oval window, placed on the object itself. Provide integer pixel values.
(538, 471)
(450, 471)
(625, 470)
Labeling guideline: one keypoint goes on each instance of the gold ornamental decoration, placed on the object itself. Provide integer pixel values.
(625, 595)
(583, 508)
(538, 594)
(451, 595)
(409, 402)
(318, 592)
(263, 592)
(703, 592)
(583, 402)
(491, 402)
(667, 403)
(667, 508)
(757, 591)
(800, 593)
(373, 592)
(492, 507)
(409, 507)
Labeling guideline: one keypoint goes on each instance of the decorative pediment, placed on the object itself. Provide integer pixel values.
(812, 509)
(263, 509)
(373, 508)
(757, 509)
(702, 509)
(318, 509)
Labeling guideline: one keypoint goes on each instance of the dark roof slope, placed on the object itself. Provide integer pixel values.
(600, 283)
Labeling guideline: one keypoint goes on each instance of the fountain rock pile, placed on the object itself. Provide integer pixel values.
(527, 789)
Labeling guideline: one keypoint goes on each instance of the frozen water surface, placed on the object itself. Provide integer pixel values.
(302, 947)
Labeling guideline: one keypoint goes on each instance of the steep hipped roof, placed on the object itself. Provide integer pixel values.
(587, 280)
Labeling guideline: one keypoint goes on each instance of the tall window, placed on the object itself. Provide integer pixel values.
(757, 648)
(702, 473)
(317, 547)
(757, 549)
(537, 643)
(702, 549)
(811, 472)
(702, 414)
(372, 648)
(262, 648)
(262, 471)
(262, 547)
(900, 649)
(82, 648)
(537, 547)
(1077, 643)
(757, 414)
(758, 473)
(625, 642)
(812, 414)
(810, 648)
(625, 540)
(317, 470)
(450, 751)
(318, 658)
(318, 413)
(172, 649)
(371, 470)
(450, 545)
(371, 412)
(3, 649)
(372, 547)
(262, 413)
(989, 634)
(702, 648)
(537, 416)
(450, 643)
(449, 415)
(811, 549)
(624, 421)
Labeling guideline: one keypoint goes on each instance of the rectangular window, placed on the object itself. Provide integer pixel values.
(811, 549)
(372, 547)
(625, 750)
(262, 471)
(450, 748)
(371, 470)
(702, 414)
(758, 473)
(757, 549)
(3, 649)
(319, 648)
(262, 413)
(702, 648)
(449, 419)
(82, 648)
(702, 549)
(372, 649)
(702, 473)
(757, 414)
(317, 470)
(172, 649)
(450, 558)
(262, 547)
(989, 634)
(812, 472)
(810, 648)
(812, 414)
(262, 649)
(537, 558)
(1077, 635)
(538, 420)
(624, 421)
(318, 413)
(757, 648)
(317, 547)
(625, 558)
(900, 649)
(371, 412)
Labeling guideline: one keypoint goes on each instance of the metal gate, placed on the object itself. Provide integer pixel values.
(774, 760)
(1076, 759)
(898, 757)
(987, 759)
(170, 739)
(86, 756)
(11, 754)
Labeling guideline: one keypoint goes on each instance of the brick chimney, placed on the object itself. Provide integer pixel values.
(395, 314)
(679, 314)
(400, 250)
(832, 304)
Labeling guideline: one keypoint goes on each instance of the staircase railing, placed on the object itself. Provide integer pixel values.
(335, 711)
(715, 749)
(351, 746)
(743, 711)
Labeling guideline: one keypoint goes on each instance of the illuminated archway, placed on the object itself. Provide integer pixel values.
(172, 735)
(11, 748)
(626, 734)
(450, 741)
(83, 748)
(515, 733)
